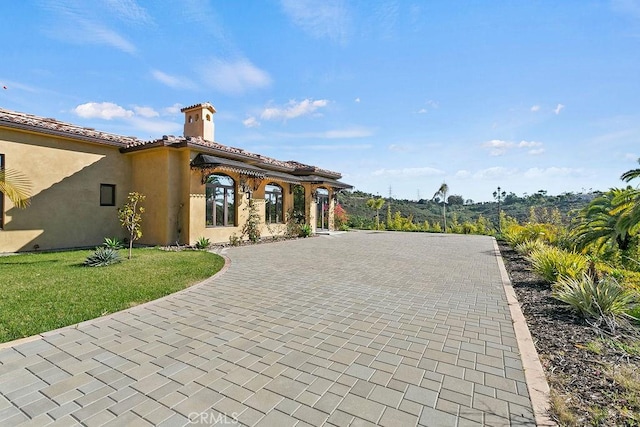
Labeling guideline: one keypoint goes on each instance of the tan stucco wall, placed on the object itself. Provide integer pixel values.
(162, 175)
(65, 208)
(197, 210)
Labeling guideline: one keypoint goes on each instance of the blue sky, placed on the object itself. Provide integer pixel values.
(400, 95)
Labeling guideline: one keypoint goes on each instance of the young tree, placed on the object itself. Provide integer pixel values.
(16, 187)
(376, 204)
(130, 216)
(441, 195)
(499, 195)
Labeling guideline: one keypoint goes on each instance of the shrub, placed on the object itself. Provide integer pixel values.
(113, 243)
(235, 240)
(340, 217)
(603, 300)
(529, 246)
(251, 228)
(515, 234)
(305, 230)
(203, 243)
(553, 263)
(102, 257)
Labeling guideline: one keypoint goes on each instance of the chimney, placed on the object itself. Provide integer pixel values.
(198, 121)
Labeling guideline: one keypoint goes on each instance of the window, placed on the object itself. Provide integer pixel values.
(107, 195)
(1, 196)
(273, 204)
(221, 202)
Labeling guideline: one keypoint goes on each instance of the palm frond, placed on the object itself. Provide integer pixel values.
(631, 174)
(16, 186)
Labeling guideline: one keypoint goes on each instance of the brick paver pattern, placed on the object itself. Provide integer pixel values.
(362, 328)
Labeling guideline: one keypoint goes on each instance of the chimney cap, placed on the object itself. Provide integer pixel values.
(205, 105)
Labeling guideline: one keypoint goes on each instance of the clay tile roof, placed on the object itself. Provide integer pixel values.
(13, 119)
(208, 105)
(301, 168)
(52, 126)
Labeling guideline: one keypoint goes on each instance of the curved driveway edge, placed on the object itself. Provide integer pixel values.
(360, 328)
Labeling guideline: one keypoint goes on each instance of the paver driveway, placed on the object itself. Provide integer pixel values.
(361, 328)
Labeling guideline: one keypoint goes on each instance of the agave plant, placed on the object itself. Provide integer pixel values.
(113, 243)
(203, 243)
(103, 256)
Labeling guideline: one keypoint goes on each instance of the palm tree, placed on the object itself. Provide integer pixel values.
(442, 195)
(377, 205)
(16, 187)
(601, 222)
(628, 204)
(631, 174)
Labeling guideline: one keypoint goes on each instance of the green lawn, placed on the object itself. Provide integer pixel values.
(44, 291)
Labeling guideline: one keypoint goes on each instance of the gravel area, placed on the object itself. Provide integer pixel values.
(594, 375)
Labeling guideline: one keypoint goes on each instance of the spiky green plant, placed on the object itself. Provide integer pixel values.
(203, 243)
(553, 263)
(602, 299)
(305, 230)
(529, 246)
(103, 256)
(113, 243)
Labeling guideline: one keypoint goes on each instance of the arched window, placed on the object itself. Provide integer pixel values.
(274, 208)
(221, 201)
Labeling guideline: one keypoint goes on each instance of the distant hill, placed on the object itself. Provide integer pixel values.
(542, 205)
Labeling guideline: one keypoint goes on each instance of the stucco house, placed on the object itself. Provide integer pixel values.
(194, 186)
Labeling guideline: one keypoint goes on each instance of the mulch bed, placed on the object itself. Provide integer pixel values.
(581, 379)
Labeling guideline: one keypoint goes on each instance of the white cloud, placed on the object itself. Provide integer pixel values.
(463, 174)
(553, 172)
(251, 122)
(129, 10)
(155, 128)
(102, 110)
(357, 100)
(293, 109)
(174, 82)
(80, 24)
(147, 112)
(631, 156)
(234, 77)
(408, 172)
(319, 18)
(94, 32)
(422, 111)
(139, 118)
(495, 172)
(535, 108)
(172, 110)
(558, 108)
(498, 147)
(529, 144)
